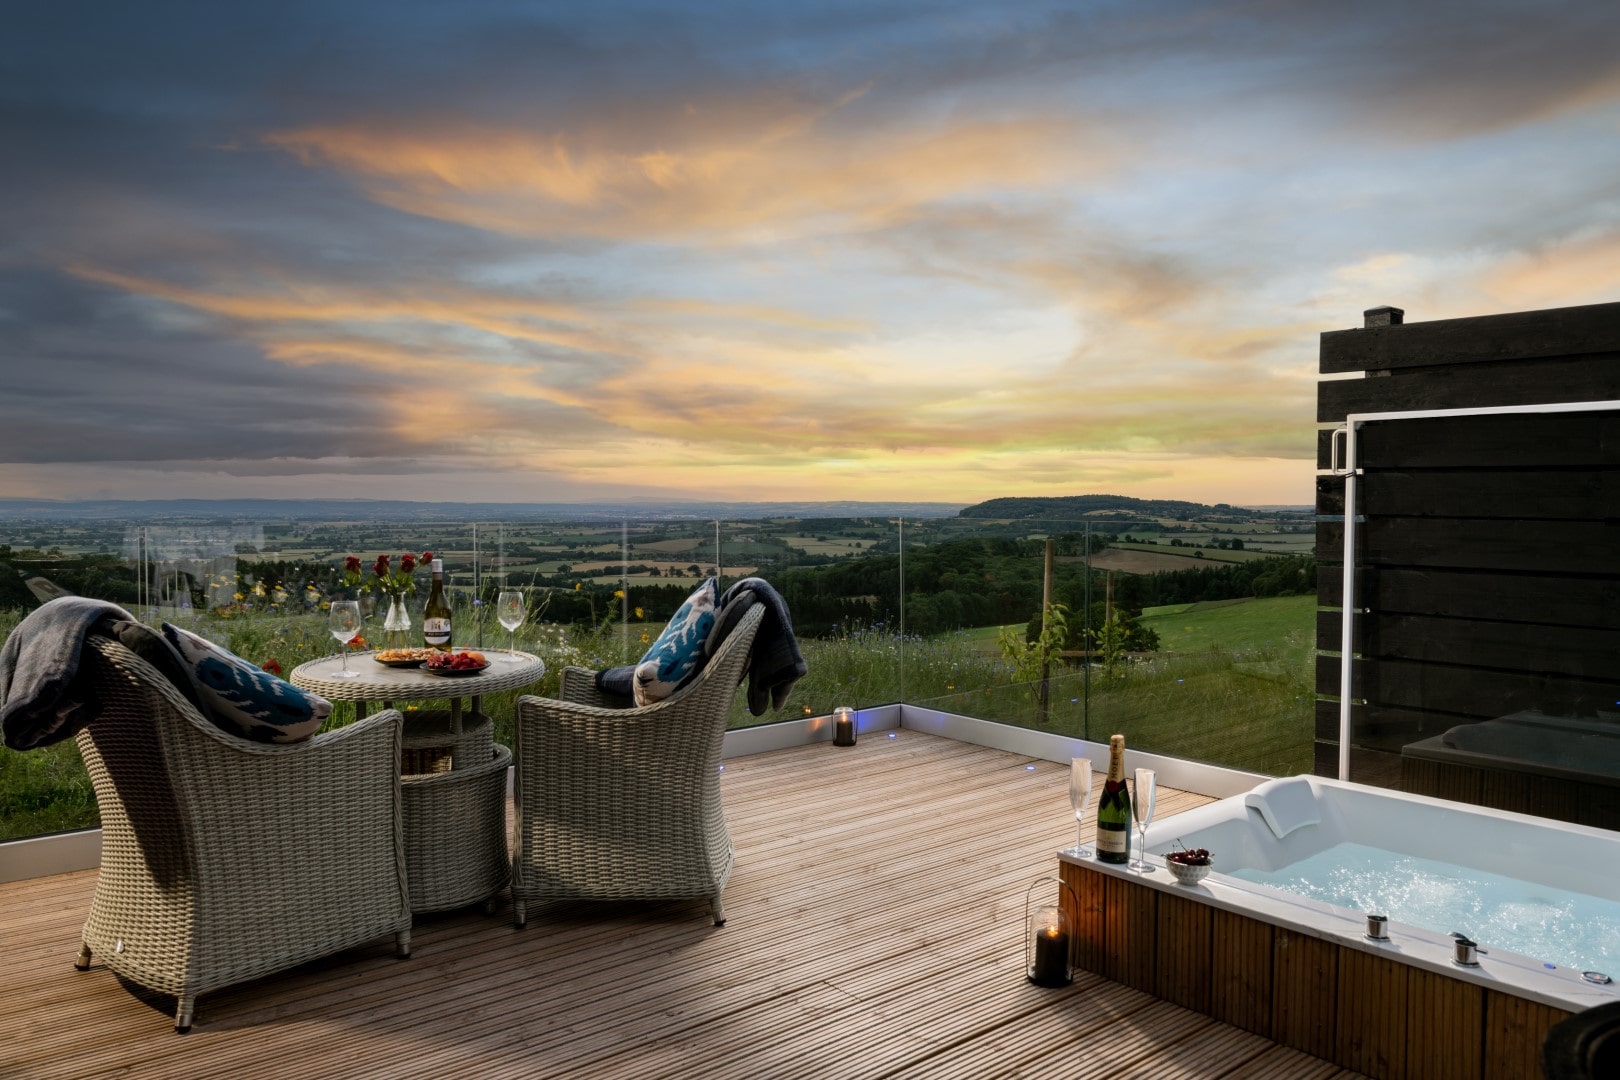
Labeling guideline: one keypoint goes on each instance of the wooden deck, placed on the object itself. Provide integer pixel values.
(875, 930)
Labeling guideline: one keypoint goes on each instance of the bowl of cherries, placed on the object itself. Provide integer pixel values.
(1189, 865)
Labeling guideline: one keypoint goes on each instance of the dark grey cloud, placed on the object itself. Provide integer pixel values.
(89, 377)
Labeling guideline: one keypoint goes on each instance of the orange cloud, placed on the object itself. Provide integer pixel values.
(702, 170)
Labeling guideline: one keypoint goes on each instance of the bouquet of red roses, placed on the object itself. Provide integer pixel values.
(384, 578)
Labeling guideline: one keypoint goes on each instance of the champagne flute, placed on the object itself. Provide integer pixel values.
(1079, 796)
(509, 610)
(1142, 809)
(344, 622)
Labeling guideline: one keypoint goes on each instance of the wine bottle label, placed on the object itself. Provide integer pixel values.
(436, 632)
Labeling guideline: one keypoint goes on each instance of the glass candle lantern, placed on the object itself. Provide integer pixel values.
(843, 726)
(1048, 942)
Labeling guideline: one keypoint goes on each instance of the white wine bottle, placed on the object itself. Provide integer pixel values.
(1114, 809)
(436, 615)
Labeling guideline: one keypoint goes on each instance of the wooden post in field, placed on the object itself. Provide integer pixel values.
(1043, 697)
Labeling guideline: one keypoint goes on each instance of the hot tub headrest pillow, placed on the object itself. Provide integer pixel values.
(1285, 805)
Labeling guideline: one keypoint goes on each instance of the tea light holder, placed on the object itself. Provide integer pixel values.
(1048, 938)
(843, 726)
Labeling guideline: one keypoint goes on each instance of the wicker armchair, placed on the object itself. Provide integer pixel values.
(624, 803)
(223, 860)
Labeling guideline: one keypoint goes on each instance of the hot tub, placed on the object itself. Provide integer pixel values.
(1303, 972)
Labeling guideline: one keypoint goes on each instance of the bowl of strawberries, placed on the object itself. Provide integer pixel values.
(1189, 865)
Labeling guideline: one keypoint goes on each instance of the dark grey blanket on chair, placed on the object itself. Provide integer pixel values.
(774, 663)
(39, 664)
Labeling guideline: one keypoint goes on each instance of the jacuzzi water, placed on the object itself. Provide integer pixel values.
(1555, 925)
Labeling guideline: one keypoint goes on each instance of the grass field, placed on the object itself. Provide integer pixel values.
(1278, 621)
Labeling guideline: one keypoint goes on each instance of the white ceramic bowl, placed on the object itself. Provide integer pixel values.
(1186, 874)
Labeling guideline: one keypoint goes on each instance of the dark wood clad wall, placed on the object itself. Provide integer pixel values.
(1488, 549)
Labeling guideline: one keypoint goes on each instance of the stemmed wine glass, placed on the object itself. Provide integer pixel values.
(1079, 796)
(1142, 809)
(509, 610)
(344, 622)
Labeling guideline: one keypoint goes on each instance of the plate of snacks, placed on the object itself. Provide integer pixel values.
(403, 657)
(453, 664)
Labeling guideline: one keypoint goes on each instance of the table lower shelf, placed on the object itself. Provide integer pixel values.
(455, 833)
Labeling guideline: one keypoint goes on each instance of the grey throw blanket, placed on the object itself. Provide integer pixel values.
(39, 664)
(774, 662)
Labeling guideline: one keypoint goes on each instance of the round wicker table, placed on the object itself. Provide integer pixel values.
(377, 682)
(454, 799)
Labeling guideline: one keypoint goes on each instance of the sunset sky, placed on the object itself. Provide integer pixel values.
(564, 252)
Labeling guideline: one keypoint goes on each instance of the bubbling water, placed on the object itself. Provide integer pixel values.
(1568, 928)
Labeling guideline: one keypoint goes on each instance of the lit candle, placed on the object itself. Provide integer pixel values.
(1051, 966)
(843, 726)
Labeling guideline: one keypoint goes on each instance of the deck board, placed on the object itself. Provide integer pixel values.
(875, 929)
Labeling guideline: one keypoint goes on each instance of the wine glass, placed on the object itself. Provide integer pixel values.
(1079, 796)
(344, 622)
(509, 610)
(1142, 809)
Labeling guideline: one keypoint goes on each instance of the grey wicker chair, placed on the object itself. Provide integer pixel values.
(621, 803)
(223, 860)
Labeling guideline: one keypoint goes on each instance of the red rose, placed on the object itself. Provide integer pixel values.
(427, 556)
(407, 563)
(272, 665)
(351, 565)
(381, 569)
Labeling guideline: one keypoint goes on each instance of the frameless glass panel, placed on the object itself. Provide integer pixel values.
(1190, 634)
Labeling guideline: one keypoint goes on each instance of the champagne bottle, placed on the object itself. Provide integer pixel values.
(1114, 810)
(436, 615)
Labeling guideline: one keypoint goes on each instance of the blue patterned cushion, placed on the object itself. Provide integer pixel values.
(677, 656)
(244, 700)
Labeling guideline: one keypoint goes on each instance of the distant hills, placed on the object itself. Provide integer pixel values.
(264, 510)
(1064, 507)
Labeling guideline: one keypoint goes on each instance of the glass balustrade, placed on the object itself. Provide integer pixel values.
(1192, 638)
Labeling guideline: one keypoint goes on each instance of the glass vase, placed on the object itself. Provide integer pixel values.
(397, 625)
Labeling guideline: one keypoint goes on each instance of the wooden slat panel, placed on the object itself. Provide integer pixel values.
(1185, 954)
(1091, 946)
(1132, 923)
(1476, 386)
(1304, 975)
(1567, 548)
(1445, 1027)
(1480, 495)
(1241, 975)
(1514, 1031)
(1523, 644)
(1569, 601)
(1464, 691)
(1440, 781)
(1585, 328)
(1514, 441)
(1372, 1014)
